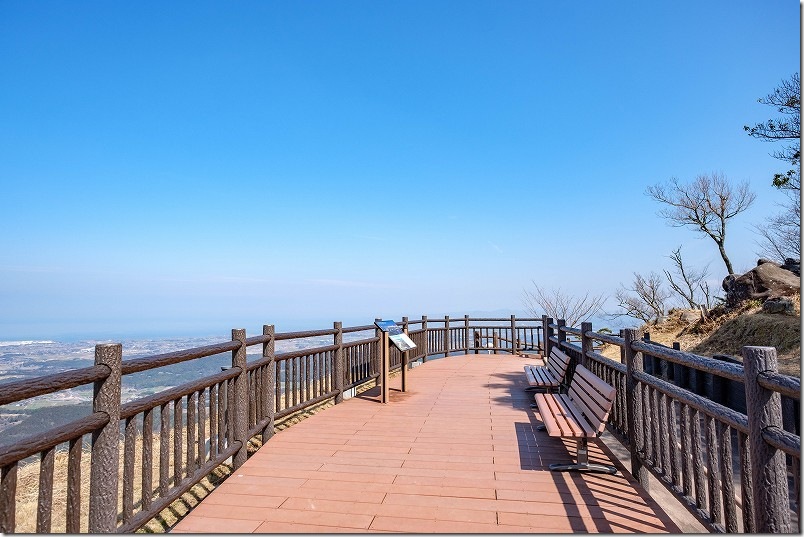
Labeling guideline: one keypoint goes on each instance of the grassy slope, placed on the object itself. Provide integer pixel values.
(728, 333)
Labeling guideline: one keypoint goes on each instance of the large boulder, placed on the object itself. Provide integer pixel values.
(766, 280)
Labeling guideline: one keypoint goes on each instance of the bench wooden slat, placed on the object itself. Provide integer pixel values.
(558, 363)
(557, 418)
(589, 401)
(529, 374)
(539, 377)
(593, 396)
(548, 418)
(550, 375)
(589, 427)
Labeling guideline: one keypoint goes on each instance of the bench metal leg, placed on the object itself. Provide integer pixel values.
(583, 464)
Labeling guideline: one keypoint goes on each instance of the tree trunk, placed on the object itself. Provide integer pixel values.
(725, 257)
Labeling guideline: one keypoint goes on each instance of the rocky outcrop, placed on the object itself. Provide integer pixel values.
(768, 280)
(778, 305)
(793, 265)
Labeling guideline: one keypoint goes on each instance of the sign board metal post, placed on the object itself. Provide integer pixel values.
(404, 370)
(386, 365)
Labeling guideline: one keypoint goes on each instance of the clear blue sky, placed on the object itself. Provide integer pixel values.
(189, 167)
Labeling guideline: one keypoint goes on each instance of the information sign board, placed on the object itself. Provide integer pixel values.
(402, 342)
(388, 326)
(400, 339)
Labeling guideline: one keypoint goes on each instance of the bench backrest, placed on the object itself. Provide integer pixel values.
(591, 396)
(558, 364)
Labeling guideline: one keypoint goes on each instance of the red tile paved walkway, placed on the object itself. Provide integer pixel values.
(458, 452)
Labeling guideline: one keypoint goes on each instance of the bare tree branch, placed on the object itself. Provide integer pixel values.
(781, 233)
(557, 304)
(705, 205)
(690, 279)
(647, 303)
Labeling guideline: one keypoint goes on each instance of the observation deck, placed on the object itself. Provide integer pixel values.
(458, 451)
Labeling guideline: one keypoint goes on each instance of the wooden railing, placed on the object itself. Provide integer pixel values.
(715, 460)
(146, 453)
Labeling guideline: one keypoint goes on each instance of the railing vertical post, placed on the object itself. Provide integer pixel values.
(562, 336)
(386, 365)
(446, 336)
(633, 363)
(426, 339)
(240, 410)
(514, 350)
(269, 382)
(103, 480)
(548, 333)
(768, 467)
(539, 348)
(378, 354)
(586, 343)
(466, 334)
(339, 361)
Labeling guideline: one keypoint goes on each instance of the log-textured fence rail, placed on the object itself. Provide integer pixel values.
(146, 453)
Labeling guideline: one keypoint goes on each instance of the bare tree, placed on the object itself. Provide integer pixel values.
(689, 279)
(709, 299)
(557, 304)
(647, 303)
(706, 205)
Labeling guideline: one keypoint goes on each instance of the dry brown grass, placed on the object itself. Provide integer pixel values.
(727, 332)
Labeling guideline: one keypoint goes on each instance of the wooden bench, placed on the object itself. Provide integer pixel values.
(581, 413)
(549, 376)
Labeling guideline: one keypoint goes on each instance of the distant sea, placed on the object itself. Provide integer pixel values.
(28, 359)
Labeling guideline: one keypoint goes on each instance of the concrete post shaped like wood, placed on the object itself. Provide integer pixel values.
(426, 350)
(339, 361)
(240, 411)
(514, 350)
(103, 477)
(768, 466)
(586, 343)
(446, 336)
(269, 382)
(466, 334)
(634, 412)
(548, 333)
